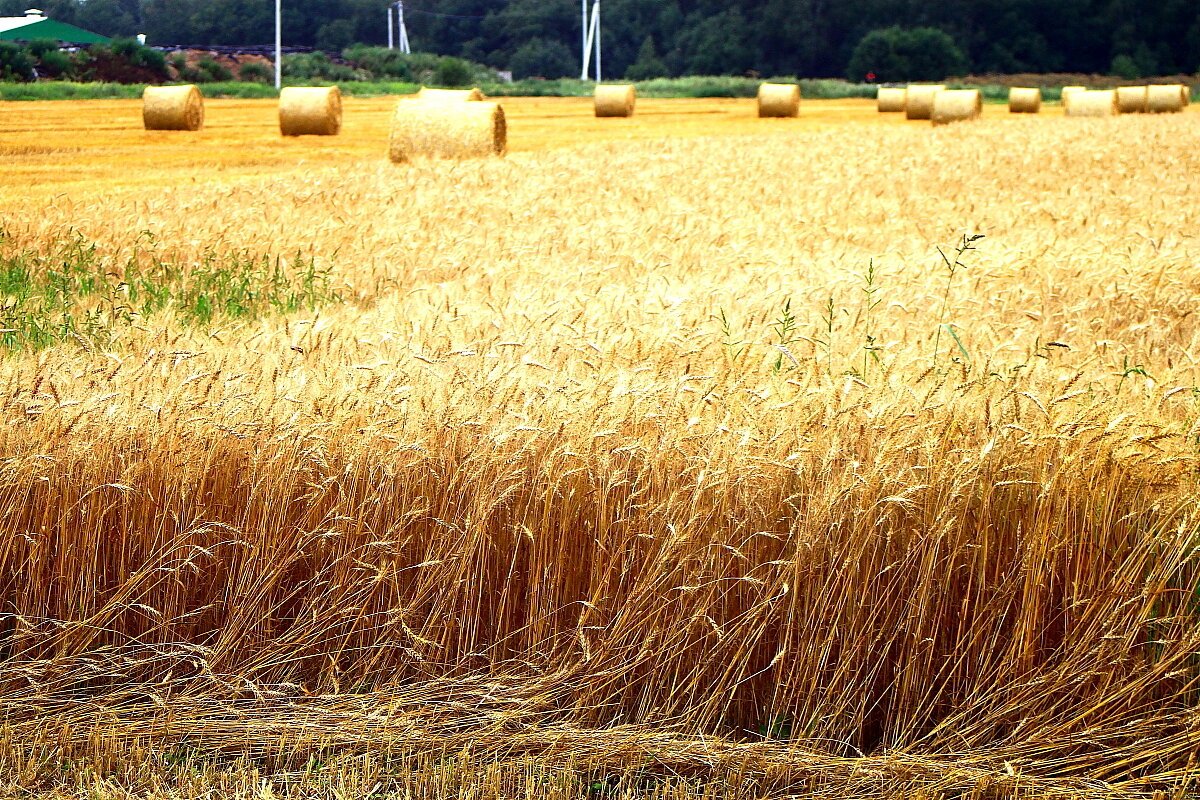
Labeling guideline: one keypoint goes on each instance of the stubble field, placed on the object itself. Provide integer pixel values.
(690, 455)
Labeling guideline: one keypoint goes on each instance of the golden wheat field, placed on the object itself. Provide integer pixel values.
(682, 456)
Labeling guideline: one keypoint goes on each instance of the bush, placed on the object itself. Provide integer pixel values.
(256, 72)
(423, 66)
(1123, 66)
(380, 62)
(39, 47)
(16, 64)
(55, 64)
(138, 55)
(453, 72)
(122, 61)
(426, 68)
(213, 71)
(317, 67)
(906, 54)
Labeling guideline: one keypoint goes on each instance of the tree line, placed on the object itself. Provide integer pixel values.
(648, 38)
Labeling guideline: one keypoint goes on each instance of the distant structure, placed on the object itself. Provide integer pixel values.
(591, 38)
(34, 25)
(395, 25)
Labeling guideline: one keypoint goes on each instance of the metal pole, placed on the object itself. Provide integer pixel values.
(596, 13)
(587, 48)
(405, 46)
(391, 38)
(583, 53)
(278, 45)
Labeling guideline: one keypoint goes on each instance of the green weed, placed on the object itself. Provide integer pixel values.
(70, 292)
(965, 245)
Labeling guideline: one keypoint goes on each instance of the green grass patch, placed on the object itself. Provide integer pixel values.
(67, 90)
(717, 86)
(69, 291)
(349, 88)
(713, 86)
(697, 86)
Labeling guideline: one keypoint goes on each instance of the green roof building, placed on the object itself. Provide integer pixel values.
(35, 26)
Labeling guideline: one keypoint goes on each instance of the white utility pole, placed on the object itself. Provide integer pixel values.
(591, 40)
(391, 36)
(405, 46)
(278, 45)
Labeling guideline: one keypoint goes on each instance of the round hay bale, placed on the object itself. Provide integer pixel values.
(956, 105)
(1165, 98)
(615, 101)
(778, 100)
(315, 111)
(449, 94)
(919, 103)
(1132, 99)
(1092, 103)
(172, 108)
(1024, 101)
(891, 98)
(447, 130)
(1068, 90)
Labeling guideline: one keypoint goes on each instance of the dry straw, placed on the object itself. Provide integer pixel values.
(1132, 99)
(919, 104)
(1092, 103)
(1166, 98)
(447, 130)
(956, 105)
(891, 98)
(449, 94)
(778, 100)
(1024, 100)
(172, 108)
(615, 101)
(313, 111)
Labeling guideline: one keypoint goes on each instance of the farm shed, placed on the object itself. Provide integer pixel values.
(35, 26)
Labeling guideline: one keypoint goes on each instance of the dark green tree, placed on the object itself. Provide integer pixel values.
(543, 58)
(335, 36)
(932, 54)
(61, 10)
(716, 44)
(169, 21)
(805, 38)
(899, 54)
(540, 28)
(1123, 66)
(107, 17)
(876, 54)
(233, 22)
(648, 65)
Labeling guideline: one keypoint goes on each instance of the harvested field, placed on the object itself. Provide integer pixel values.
(241, 137)
(738, 469)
